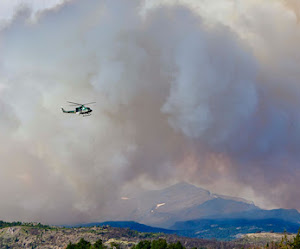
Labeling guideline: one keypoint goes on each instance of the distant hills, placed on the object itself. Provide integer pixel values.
(180, 202)
(291, 215)
(195, 212)
(128, 224)
(41, 236)
(223, 229)
(229, 229)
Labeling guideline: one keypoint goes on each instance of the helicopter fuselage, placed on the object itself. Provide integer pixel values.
(81, 110)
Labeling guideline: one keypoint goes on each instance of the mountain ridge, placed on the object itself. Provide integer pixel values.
(182, 202)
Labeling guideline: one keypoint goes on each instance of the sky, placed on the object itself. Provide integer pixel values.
(200, 91)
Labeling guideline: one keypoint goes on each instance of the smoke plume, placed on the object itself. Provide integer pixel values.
(202, 91)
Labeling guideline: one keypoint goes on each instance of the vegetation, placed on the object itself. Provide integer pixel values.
(286, 243)
(9, 224)
(26, 224)
(82, 244)
(161, 243)
(19, 235)
(145, 244)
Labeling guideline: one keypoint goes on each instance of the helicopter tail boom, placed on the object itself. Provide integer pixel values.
(64, 111)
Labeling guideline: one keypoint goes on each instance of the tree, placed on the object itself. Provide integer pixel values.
(83, 244)
(71, 246)
(144, 244)
(176, 245)
(284, 243)
(296, 242)
(99, 245)
(159, 244)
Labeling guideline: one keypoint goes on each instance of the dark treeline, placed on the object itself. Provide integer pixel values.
(83, 244)
(9, 224)
(145, 244)
(19, 223)
(158, 244)
(285, 243)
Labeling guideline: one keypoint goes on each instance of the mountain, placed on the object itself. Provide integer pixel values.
(229, 229)
(291, 215)
(196, 212)
(217, 207)
(182, 201)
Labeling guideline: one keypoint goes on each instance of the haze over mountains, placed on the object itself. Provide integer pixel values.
(184, 206)
(181, 201)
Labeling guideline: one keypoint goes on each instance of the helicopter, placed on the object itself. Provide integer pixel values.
(81, 109)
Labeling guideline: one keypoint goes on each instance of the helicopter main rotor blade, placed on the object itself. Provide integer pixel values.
(89, 103)
(73, 103)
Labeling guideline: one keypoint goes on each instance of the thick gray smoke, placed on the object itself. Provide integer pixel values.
(194, 91)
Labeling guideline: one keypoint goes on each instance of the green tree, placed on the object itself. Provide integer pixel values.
(144, 244)
(159, 244)
(71, 246)
(176, 245)
(83, 244)
(296, 242)
(284, 243)
(99, 245)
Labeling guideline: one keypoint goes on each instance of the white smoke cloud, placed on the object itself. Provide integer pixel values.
(197, 90)
(215, 88)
